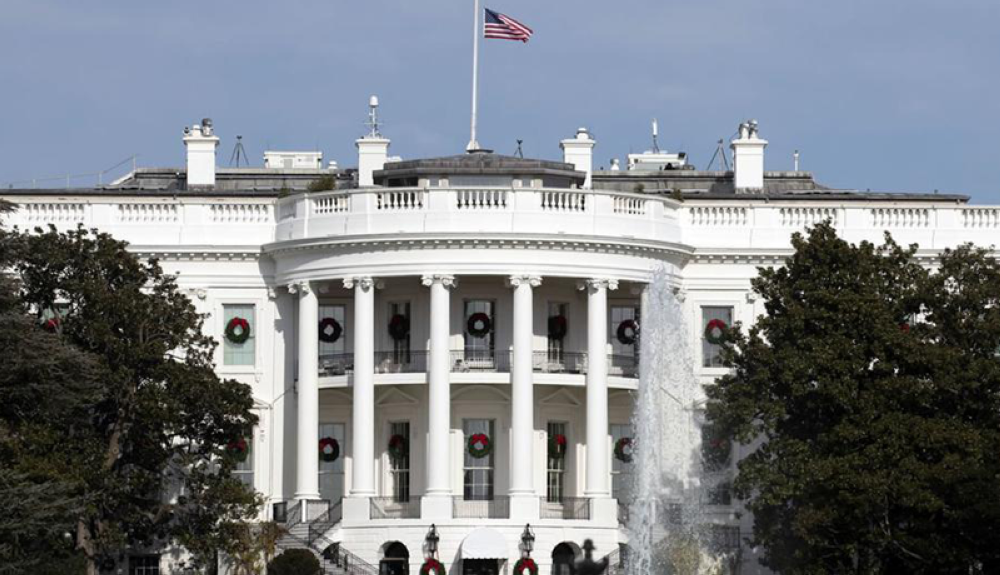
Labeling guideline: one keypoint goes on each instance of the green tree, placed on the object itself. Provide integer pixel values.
(868, 398)
(149, 460)
(294, 562)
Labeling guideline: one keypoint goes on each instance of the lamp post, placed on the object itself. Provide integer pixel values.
(432, 541)
(527, 540)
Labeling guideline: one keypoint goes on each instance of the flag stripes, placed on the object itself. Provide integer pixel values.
(503, 27)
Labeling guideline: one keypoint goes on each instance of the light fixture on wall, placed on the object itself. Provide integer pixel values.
(432, 540)
(527, 540)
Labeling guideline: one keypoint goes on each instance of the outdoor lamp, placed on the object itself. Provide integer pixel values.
(432, 540)
(528, 539)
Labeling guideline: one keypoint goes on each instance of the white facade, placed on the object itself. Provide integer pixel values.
(437, 254)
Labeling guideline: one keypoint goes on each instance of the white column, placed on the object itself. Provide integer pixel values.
(307, 461)
(598, 474)
(438, 459)
(363, 441)
(522, 388)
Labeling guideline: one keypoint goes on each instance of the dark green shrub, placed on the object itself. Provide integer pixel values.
(294, 562)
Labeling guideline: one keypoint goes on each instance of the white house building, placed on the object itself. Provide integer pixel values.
(442, 351)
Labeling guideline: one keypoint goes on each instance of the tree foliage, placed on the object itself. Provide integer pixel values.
(294, 562)
(137, 421)
(869, 400)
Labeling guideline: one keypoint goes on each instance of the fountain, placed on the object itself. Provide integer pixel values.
(665, 508)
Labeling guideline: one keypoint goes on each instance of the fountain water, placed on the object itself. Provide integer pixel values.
(665, 492)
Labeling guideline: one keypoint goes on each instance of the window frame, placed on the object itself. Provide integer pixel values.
(704, 346)
(490, 468)
(253, 340)
(556, 469)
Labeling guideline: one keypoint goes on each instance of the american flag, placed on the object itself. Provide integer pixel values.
(501, 27)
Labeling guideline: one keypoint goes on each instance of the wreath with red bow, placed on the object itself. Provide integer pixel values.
(432, 567)
(397, 447)
(329, 449)
(558, 327)
(479, 325)
(399, 327)
(480, 445)
(623, 450)
(628, 332)
(238, 330)
(525, 566)
(715, 332)
(329, 330)
(238, 450)
(557, 446)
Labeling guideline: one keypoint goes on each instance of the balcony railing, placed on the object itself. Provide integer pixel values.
(559, 362)
(390, 508)
(474, 360)
(496, 508)
(478, 361)
(566, 508)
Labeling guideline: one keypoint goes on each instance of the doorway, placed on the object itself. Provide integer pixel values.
(563, 560)
(480, 567)
(396, 560)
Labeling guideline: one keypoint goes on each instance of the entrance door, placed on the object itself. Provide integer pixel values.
(480, 567)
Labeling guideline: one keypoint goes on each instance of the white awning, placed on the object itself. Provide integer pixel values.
(484, 543)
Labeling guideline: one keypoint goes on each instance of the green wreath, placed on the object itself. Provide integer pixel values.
(238, 330)
(238, 450)
(480, 445)
(558, 327)
(623, 450)
(432, 567)
(557, 446)
(715, 332)
(398, 449)
(525, 566)
(478, 325)
(399, 327)
(329, 449)
(628, 332)
(329, 330)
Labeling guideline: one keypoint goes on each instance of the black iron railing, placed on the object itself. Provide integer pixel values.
(331, 364)
(623, 365)
(325, 521)
(496, 508)
(559, 362)
(400, 361)
(476, 360)
(566, 508)
(391, 508)
(348, 562)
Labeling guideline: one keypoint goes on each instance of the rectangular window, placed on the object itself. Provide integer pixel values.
(479, 471)
(479, 340)
(555, 490)
(144, 565)
(244, 469)
(557, 330)
(243, 353)
(333, 356)
(621, 472)
(623, 332)
(399, 462)
(710, 352)
(331, 473)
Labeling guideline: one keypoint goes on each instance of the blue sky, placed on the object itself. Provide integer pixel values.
(891, 95)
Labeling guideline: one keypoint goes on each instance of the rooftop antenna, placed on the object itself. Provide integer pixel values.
(239, 154)
(519, 153)
(373, 123)
(656, 134)
(720, 152)
(795, 156)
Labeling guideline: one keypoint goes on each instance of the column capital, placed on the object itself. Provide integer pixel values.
(364, 282)
(299, 288)
(446, 280)
(594, 284)
(524, 279)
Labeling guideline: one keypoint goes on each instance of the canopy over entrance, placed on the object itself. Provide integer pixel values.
(484, 543)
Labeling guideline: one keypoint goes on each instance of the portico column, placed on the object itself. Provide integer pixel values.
(363, 445)
(598, 475)
(307, 460)
(522, 388)
(438, 459)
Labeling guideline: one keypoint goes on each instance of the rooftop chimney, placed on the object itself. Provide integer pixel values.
(201, 143)
(748, 159)
(373, 149)
(579, 151)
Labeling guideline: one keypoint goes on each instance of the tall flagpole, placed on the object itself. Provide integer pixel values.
(473, 144)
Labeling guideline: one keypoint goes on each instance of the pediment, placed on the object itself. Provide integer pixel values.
(479, 393)
(561, 397)
(393, 396)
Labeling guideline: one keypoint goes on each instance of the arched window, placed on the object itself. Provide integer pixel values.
(563, 559)
(396, 560)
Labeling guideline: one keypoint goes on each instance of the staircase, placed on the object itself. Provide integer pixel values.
(311, 535)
